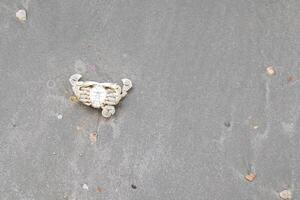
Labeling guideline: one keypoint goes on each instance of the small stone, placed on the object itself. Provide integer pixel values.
(98, 189)
(290, 79)
(85, 187)
(227, 124)
(54, 153)
(133, 186)
(255, 127)
(271, 71)
(93, 137)
(250, 177)
(59, 116)
(285, 194)
(21, 15)
(253, 123)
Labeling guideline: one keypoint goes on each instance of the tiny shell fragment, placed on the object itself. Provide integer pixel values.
(285, 194)
(270, 71)
(21, 15)
(250, 177)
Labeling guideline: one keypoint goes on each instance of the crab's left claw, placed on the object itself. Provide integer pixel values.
(74, 79)
(108, 111)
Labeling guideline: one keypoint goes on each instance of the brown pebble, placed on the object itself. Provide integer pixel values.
(99, 189)
(290, 79)
(93, 137)
(250, 177)
(271, 71)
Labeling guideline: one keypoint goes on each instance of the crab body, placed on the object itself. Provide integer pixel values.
(99, 95)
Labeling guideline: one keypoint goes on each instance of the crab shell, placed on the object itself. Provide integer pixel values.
(99, 95)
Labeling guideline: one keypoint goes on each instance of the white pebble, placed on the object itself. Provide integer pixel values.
(59, 116)
(21, 15)
(271, 71)
(85, 187)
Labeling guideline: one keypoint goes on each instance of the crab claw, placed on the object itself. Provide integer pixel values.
(74, 78)
(127, 85)
(108, 111)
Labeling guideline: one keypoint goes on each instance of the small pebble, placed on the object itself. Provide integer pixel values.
(285, 194)
(291, 79)
(59, 116)
(133, 186)
(227, 124)
(270, 71)
(21, 15)
(98, 189)
(85, 187)
(93, 138)
(54, 153)
(250, 177)
(255, 127)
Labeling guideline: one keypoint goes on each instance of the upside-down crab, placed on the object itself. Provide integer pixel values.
(100, 95)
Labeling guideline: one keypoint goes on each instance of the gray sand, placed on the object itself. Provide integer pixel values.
(202, 114)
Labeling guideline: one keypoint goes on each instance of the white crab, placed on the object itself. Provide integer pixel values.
(99, 95)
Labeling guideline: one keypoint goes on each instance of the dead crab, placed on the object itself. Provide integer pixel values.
(99, 95)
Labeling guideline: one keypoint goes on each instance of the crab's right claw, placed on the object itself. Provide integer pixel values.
(127, 85)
